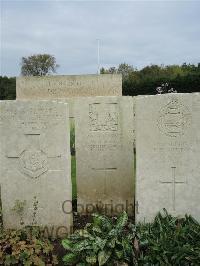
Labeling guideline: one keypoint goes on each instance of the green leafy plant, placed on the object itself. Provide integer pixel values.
(169, 241)
(103, 242)
(25, 247)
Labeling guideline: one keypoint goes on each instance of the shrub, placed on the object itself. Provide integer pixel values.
(103, 242)
(169, 241)
(25, 247)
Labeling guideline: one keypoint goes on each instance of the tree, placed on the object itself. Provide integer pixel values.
(125, 70)
(38, 65)
(183, 78)
(7, 88)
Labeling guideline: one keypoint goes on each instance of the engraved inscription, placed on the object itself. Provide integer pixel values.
(66, 86)
(174, 118)
(33, 163)
(33, 118)
(103, 117)
(103, 147)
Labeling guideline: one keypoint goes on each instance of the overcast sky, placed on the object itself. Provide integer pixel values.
(138, 33)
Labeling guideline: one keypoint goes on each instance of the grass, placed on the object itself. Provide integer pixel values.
(73, 159)
(73, 177)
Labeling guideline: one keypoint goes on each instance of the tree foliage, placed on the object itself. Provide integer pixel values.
(7, 88)
(38, 65)
(184, 78)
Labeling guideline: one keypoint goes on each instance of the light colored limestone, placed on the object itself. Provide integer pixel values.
(104, 153)
(168, 155)
(54, 87)
(35, 163)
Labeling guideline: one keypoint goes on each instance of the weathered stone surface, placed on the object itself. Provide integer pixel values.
(35, 163)
(104, 153)
(54, 87)
(168, 155)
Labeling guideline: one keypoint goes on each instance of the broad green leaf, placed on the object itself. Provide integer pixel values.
(80, 246)
(122, 220)
(70, 258)
(66, 243)
(103, 257)
(111, 243)
(102, 221)
(119, 254)
(91, 259)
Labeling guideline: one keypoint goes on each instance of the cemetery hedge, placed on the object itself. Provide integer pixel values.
(110, 241)
(184, 79)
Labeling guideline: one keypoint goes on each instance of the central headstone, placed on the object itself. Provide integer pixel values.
(104, 154)
(35, 164)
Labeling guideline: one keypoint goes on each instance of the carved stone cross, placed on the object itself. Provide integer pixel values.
(173, 182)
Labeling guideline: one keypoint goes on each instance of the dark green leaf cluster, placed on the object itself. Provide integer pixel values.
(103, 242)
(183, 78)
(7, 88)
(169, 241)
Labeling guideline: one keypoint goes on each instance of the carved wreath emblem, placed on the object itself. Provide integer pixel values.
(174, 118)
(33, 163)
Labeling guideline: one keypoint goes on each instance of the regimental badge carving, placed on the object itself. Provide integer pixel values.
(103, 117)
(33, 163)
(174, 118)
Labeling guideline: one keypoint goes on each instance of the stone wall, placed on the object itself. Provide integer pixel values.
(53, 87)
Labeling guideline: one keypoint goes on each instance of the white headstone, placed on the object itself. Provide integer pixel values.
(35, 164)
(104, 154)
(168, 155)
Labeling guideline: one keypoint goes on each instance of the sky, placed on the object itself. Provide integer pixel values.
(136, 32)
